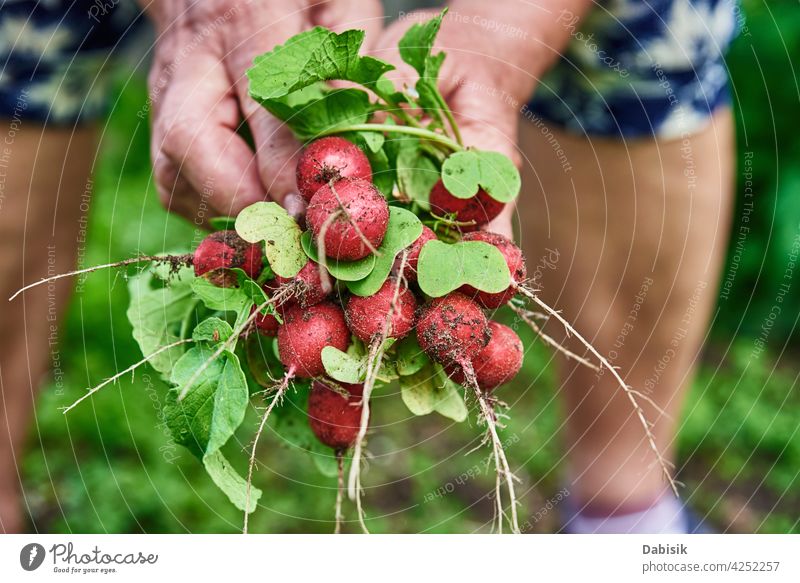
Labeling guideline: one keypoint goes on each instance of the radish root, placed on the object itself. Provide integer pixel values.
(339, 517)
(502, 468)
(629, 391)
(175, 260)
(374, 359)
(280, 391)
(131, 368)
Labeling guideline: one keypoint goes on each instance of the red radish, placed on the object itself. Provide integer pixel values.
(307, 286)
(226, 250)
(497, 363)
(350, 211)
(452, 328)
(516, 267)
(366, 316)
(410, 272)
(334, 418)
(305, 332)
(331, 158)
(266, 324)
(481, 208)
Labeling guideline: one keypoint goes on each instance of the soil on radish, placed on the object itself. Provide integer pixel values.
(452, 328)
(224, 250)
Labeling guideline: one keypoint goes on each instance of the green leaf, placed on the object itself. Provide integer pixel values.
(343, 367)
(403, 229)
(250, 288)
(223, 299)
(215, 405)
(463, 173)
(269, 222)
(430, 390)
(499, 177)
(416, 44)
(209, 414)
(156, 313)
(230, 482)
(443, 268)
(262, 359)
(309, 57)
(334, 109)
(416, 172)
(449, 398)
(373, 140)
(341, 270)
(409, 357)
(383, 173)
(212, 330)
(221, 223)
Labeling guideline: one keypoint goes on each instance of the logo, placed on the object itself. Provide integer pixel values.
(31, 556)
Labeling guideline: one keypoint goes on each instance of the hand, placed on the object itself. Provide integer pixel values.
(481, 80)
(198, 96)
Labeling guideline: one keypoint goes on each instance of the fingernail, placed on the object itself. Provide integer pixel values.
(295, 205)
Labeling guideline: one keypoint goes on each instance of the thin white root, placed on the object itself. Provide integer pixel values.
(374, 359)
(354, 490)
(631, 394)
(280, 391)
(339, 491)
(528, 319)
(131, 368)
(322, 259)
(223, 346)
(187, 259)
(500, 460)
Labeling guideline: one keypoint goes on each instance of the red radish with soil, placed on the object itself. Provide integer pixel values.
(476, 211)
(497, 363)
(348, 218)
(330, 159)
(305, 332)
(223, 250)
(306, 288)
(334, 418)
(451, 328)
(366, 316)
(266, 324)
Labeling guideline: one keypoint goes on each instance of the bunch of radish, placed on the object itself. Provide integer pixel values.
(393, 280)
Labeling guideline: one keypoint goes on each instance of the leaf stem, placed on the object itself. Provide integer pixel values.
(417, 132)
(450, 119)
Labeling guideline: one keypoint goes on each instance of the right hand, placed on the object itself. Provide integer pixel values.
(481, 81)
(198, 97)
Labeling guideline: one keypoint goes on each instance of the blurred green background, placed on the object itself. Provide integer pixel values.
(109, 466)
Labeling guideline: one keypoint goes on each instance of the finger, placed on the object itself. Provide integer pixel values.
(276, 148)
(341, 15)
(195, 131)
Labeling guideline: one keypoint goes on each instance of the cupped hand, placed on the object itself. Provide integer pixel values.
(480, 80)
(203, 166)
